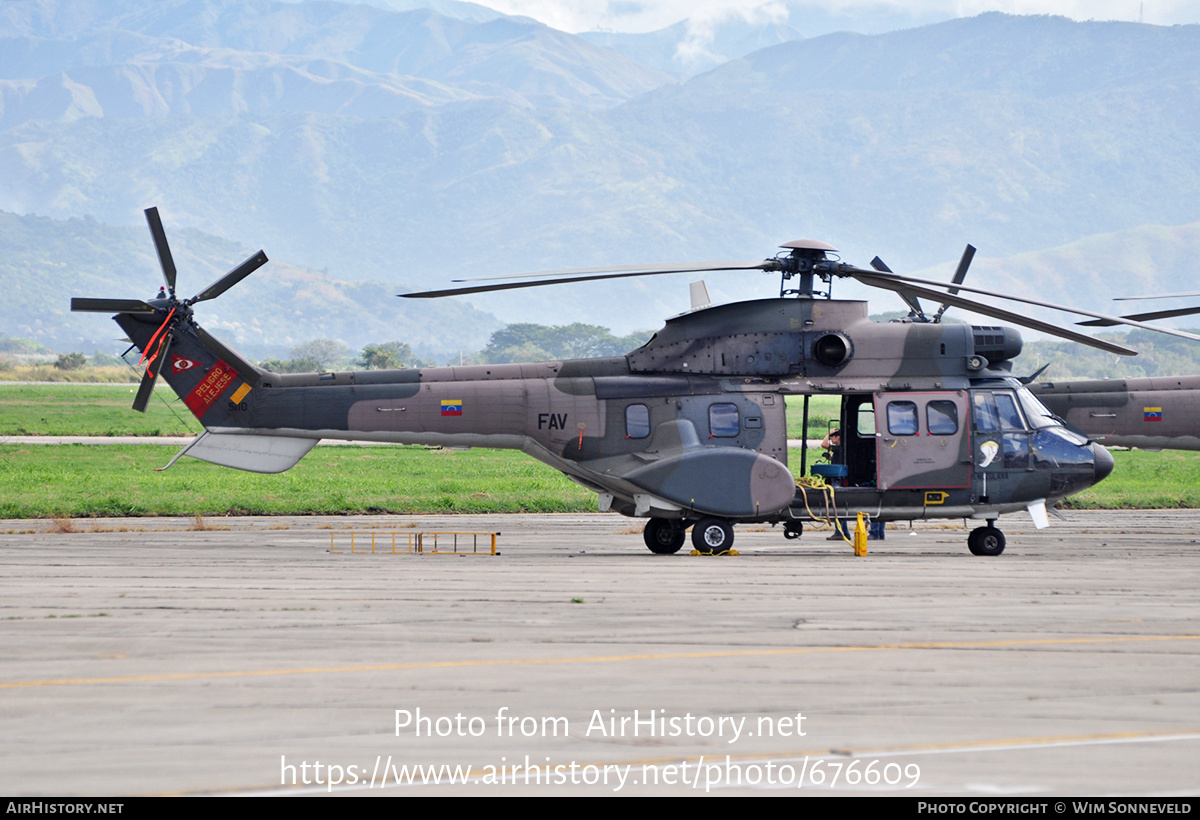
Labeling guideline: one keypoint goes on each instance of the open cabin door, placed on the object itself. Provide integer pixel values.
(923, 440)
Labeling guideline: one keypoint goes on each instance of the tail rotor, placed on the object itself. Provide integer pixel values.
(175, 312)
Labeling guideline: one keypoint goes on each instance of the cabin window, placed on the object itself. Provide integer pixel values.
(637, 421)
(941, 418)
(902, 418)
(723, 420)
(866, 420)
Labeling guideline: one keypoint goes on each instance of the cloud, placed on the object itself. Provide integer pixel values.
(650, 15)
(702, 27)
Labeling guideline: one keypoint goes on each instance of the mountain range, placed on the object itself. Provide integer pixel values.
(414, 147)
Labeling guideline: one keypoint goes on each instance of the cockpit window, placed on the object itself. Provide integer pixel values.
(987, 417)
(1039, 417)
(1010, 417)
(996, 411)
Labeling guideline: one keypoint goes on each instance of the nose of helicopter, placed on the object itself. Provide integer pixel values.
(1103, 461)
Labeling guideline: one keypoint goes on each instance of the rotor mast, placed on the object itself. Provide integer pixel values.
(808, 259)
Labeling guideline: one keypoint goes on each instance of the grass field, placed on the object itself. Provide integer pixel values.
(90, 410)
(78, 480)
(87, 480)
(1144, 481)
(50, 373)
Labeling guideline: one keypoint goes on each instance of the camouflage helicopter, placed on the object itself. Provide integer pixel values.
(1149, 412)
(689, 429)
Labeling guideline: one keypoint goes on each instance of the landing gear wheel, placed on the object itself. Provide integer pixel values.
(712, 536)
(664, 536)
(986, 541)
(793, 530)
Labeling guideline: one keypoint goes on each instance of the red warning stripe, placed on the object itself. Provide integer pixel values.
(210, 388)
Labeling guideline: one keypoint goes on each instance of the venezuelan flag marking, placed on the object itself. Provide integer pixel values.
(451, 407)
(1152, 414)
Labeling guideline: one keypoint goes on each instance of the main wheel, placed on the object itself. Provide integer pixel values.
(712, 536)
(985, 541)
(664, 536)
(793, 530)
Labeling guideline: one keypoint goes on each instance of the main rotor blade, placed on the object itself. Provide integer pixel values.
(1157, 296)
(894, 284)
(914, 304)
(230, 279)
(434, 294)
(151, 375)
(1032, 377)
(960, 273)
(112, 305)
(164, 250)
(860, 274)
(1142, 317)
(680, 267)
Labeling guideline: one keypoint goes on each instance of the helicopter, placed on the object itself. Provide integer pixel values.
(689, 430)
(1150, 413)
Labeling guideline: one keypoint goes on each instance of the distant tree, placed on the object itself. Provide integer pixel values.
(19, 346)
(527, 352)
(105, 360)
(70, 361)
(533, 342)
(464, 357)
(325, 352)
(387, 356)
(302, 364)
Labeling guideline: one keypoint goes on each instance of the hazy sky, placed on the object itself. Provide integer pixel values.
(648, 15)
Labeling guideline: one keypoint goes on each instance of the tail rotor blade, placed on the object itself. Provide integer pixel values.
(151, 376)
(230, 279)
(164, 250)
(111, 305)
(144, 390)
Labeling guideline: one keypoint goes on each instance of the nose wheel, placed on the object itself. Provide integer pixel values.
(986, 541)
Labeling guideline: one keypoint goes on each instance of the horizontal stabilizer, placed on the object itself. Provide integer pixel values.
(255, 454)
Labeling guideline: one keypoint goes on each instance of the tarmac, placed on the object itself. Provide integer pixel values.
(260, 656)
